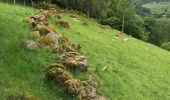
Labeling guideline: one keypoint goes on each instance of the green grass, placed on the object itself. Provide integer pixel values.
(21, 69)
(158, 8)
(135, 70)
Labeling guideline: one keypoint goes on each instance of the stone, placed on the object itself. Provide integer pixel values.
(42, 17)
(53, 73)
(73, 86)
(53, 36)
(36, 26)
(31, 44)
(88, 92)
(30, 20)
(82, 63)
(64, 77)
(74, 61)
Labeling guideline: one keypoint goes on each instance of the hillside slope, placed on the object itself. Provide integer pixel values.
(135, 70)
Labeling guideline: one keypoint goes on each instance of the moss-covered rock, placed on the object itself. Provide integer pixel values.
(73, 86)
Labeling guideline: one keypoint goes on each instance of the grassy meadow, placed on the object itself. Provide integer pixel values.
(135, 70)
(158, 8)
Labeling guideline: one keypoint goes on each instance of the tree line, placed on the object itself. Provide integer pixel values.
(119, 14)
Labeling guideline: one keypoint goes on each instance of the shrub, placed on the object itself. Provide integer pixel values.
(166, 46)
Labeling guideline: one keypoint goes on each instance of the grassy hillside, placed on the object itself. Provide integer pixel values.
(135, 70)
(158, 8)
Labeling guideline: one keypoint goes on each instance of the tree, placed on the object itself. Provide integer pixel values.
(123, 7)
(159, 30)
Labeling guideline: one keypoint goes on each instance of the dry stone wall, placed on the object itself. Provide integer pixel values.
(46, 35)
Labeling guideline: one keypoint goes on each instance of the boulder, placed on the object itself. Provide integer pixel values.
(74, 61)
(73, 86)
(53, 36)
(53, 73)
(82, 63)
(88, 92)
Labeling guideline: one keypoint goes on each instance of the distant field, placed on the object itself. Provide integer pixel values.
(158, 8)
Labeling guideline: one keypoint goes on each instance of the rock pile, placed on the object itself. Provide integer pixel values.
(45, 32)
(74, 61)
(69, 58)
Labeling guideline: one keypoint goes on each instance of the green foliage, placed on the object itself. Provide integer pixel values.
(159, 30)
(166, 46)
(111, 21)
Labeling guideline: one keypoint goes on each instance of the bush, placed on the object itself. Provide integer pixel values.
(166, 46)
